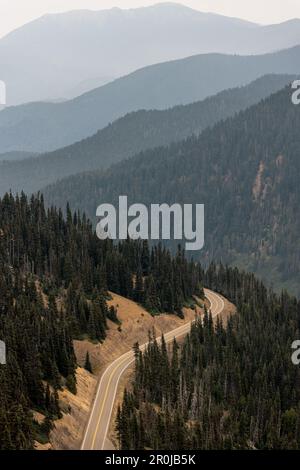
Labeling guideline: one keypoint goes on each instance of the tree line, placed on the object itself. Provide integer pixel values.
(55, 278)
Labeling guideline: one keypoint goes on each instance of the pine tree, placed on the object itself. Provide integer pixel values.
(139, 286)
(87, 363)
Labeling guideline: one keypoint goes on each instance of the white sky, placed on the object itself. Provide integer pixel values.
(14, 13)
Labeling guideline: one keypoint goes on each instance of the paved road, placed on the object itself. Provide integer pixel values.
(95, 437)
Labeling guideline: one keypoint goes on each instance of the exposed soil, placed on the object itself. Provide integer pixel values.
(68, 431)
(136, 322)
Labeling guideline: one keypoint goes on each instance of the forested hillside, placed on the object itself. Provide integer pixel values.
(132, 134)
(230, 386)
(54, 280)
(245, 170)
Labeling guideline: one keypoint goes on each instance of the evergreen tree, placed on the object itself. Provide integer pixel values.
(87, 363)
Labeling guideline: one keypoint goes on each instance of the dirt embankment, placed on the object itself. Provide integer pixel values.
(68, 431)
(136, 322)
(162, 325)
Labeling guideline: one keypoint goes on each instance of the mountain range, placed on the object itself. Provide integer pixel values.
(59, 55)
(245, 170)
(134, 133)
(204, 113)
(42, 127)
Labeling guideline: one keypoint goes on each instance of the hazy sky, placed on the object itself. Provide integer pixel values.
(14, 13)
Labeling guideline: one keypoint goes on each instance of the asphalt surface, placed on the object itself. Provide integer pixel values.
(95, 437)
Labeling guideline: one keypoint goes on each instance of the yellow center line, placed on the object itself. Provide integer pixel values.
(105, 397)
(111, 377)
(178, 332)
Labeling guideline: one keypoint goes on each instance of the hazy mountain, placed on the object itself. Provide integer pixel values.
(39, 127)
(87, 85)
(12, 156)
(134, 133)
(50, 57)
(246, 172)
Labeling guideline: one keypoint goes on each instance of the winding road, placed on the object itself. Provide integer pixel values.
(95, 437)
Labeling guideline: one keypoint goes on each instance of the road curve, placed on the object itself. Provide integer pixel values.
(99, 420)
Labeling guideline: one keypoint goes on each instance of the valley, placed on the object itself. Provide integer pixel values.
(149, 232)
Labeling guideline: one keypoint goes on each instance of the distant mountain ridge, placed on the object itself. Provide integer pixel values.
(42, 127)
(14, 156)
(48, 58)
(135, 132)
